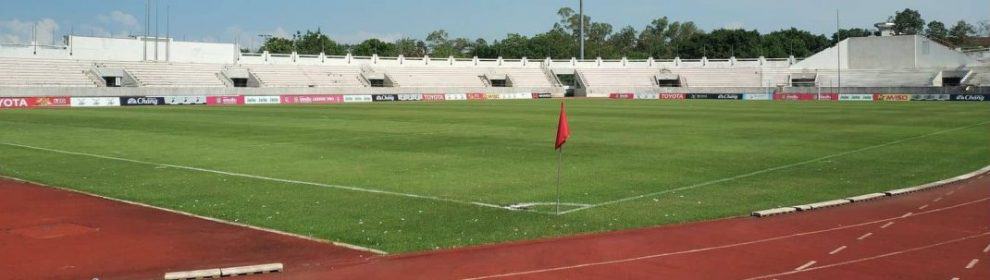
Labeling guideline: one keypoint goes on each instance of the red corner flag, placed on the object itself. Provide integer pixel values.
(563, 131)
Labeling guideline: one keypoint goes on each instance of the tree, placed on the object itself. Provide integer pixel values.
(850, 33)
(556, 43)
(937, 30)
(961, 32)
(909, 22)
(624, 43)
(316, 43)
(374, 46)
(278, 45)
(410, 47)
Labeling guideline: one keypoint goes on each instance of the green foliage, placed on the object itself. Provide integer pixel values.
(909, 22)
(662, 39)
(960, 33)
(936, 29)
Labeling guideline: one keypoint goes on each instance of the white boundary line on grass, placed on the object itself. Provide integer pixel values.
(768, 170)
(257, 177)
(314, 239)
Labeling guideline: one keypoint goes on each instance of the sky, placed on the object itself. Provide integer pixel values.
(351, 21)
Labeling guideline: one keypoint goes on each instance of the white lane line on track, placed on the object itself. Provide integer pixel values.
(955, 278)
(837, 250)
(257, 177)
(727, 246)
(972, 263)
(950, 193)
(887, 225)
(987, 249)
(873, 257)
(937, 199)
(772, 169)
(907, 215)
(865, 236)
(805, 266)
(923, 207)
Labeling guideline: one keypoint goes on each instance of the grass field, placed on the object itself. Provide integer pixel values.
(406, 177)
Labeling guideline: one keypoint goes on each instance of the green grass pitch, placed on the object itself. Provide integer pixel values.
(404, 177)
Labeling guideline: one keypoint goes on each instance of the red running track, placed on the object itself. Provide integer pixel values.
(942, 233)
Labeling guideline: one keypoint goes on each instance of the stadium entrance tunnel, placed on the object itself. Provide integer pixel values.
(546, 207)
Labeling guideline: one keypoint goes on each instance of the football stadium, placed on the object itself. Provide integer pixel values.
(151, 157)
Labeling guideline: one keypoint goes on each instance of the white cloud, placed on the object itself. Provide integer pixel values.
(22, 32)
(120, 19)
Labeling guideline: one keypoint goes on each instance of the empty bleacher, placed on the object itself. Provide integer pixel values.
(306, 75)
(619, 77)
(31, 72)
(159, 74)
(720, 77)
(527, 77)
(414, 76)
(877, 78)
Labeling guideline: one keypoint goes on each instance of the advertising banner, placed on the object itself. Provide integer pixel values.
(455, 96)
(262, 100)
(931, 97)
(142, 101)
(829, 96)
(492, 96)
(357, 98)
(649, 96)
(542, 95)
(434, 97)
(515, 96)
(622, 96)
(60, 101)
(855, 97)
(795, 96)
(411, 97)
(672, 96)
(892, 97)
(970, 97)
(185, 100)
(756, 96)
(714, 96)
(312, 99)
(16, 103)
(95, 102)
(225, 100)
(474, 96)
(384, 97)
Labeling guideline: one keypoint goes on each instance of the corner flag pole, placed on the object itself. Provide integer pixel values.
(563, 132)
(560, 163)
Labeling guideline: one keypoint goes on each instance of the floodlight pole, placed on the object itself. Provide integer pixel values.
(581, 8)
(838, 51)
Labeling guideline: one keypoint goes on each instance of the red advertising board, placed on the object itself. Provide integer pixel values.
(434, 97)
(476, 96)
(225, 100)
(622, 96)
(15, 102)
(892, 97)
(795, 96)
(829, 96)
(672, 96)
(312, 99)
(60, 101)
(34, 102)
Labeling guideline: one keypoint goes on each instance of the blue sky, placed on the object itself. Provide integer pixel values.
(356, 20)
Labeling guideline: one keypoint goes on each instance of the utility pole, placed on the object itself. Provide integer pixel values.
(838, 50)
(147, 27)
(157, 20)
(168, 32)
(581, 8)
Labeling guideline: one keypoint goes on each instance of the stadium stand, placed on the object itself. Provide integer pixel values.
(34, 72)
(160, 74)
(619, 77)
(273, 75)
